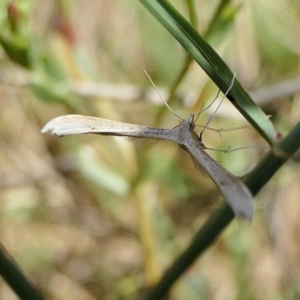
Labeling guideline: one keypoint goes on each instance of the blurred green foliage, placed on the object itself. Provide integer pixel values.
(99, 217)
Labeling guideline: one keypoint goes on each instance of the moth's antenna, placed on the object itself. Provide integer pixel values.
(213, 115)
(161, 97)
(207, 107)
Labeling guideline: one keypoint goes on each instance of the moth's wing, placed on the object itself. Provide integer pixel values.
(77, 124)
(235, 192)
(198, 166)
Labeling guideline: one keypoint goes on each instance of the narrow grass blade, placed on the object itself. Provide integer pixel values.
(212, 64)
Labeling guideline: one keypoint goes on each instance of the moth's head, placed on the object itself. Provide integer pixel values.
(191, 122)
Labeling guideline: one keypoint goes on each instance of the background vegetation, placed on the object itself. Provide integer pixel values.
(90, 217)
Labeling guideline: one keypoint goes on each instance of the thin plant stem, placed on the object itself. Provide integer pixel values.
(206, 235)
(16, 279)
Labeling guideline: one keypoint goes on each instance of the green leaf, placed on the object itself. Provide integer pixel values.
(212, 64)
(49, 90)
(101, 174)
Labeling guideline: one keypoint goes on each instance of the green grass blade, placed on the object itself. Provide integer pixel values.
(212, 64)
(16, 279)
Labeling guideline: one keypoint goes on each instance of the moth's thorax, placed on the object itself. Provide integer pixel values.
(185, 132)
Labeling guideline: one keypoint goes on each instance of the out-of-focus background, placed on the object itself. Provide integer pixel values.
(90, 217)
